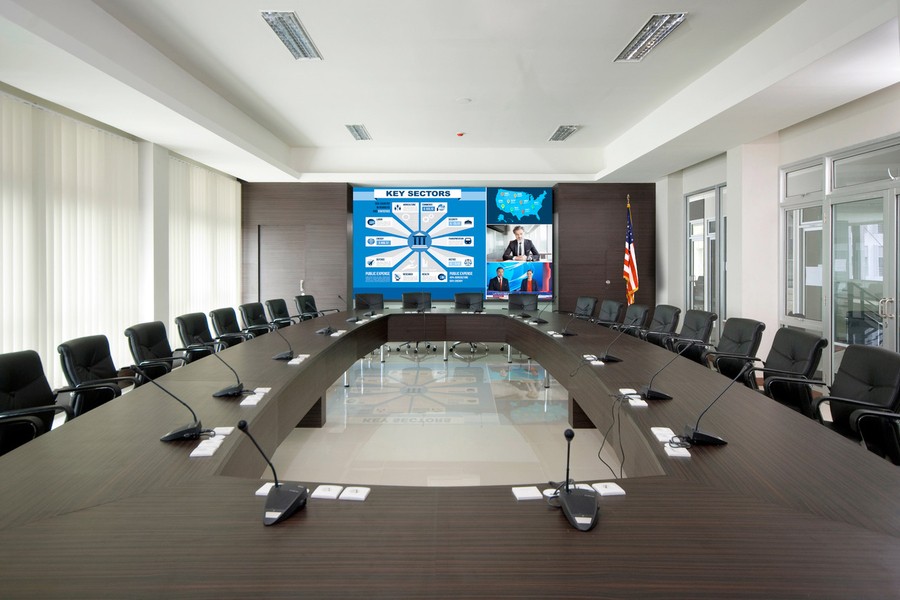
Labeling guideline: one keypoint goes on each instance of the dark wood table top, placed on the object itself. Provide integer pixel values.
(102, 508)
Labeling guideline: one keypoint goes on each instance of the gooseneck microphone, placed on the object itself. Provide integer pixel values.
(283, 499)
(565, 330)
(578, 504)
(192, 431)
(538, 320)
(606, 356)
(693, 435)
(232, 390)
(647, 392)
(287, 354)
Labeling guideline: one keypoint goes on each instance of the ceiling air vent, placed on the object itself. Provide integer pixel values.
(563, 132)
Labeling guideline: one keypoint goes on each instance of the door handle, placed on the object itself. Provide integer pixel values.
(889, 310)
(882, 308)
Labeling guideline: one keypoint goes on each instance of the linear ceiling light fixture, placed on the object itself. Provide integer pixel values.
(359, 132)
(563, 132)
(648, 38)
(290, 31)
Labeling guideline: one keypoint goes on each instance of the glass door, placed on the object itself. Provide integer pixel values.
(863, 268)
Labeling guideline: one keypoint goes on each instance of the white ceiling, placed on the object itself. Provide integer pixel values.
(209, 80)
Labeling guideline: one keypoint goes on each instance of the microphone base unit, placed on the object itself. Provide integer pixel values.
(286, 355)
(609, 358)
(326, 330)
(699, 438)
(565, 333)
(580, 507)
(232, 390)
(283, 501)
(648, 393)
(188, 432)
(539, 321)
(352, 319)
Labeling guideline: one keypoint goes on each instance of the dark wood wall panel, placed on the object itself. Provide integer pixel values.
(304, 230)
(590, 240)
(300, 232)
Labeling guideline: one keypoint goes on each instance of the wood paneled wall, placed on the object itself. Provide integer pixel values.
(590, 240)
(294, 231)
(301, 231)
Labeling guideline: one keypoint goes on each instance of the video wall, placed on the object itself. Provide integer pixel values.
(446, 240)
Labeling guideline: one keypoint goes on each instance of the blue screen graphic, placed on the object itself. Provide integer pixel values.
(419, 240)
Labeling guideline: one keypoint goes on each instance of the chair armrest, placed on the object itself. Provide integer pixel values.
(253, 330)
(716, 356)
(849, 401)
(234, 336)
(858, 415)
(678, 344)
(793, 379)
(22, 412)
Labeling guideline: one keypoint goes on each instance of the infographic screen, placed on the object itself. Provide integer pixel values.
(418, 240)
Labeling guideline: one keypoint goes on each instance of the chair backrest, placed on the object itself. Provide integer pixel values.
(148, 341)
(469, 301)
(417, 300)
(697, 325)
(584, 306)
(665, 319)
(253, 314)
(611, 311)
(86, 359)
(636, 315)
(306, 306)
(277, 309)
(867, 373)
(369, 301)
(522, 302)
(23, 384)
(739, 336)
(224, 321)
(795, 351)
(193, 328)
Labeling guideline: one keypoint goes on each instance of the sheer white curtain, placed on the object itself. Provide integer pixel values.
(69, 227)
(204, 240)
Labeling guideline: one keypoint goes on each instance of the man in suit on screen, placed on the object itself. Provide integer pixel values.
(520, 248)
(498, 283)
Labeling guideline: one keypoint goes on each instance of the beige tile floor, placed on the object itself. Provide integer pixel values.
(417, 420)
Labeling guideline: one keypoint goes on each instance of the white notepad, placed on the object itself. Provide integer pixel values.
(663, 434)
(264, 490)
(678, 452)
(527, 493)
(354, 493)
(327, 492)
(608, 488)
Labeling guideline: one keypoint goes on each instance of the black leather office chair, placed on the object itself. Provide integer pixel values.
(193, 329)
(278, 313)
(867, 381)
(88, 367)
(254, 317)
(611, 313)
(663, 324)
(794, 354)
(521, 303)
(27, 404)
(469, 302)
(739, 342)
(150, 349)
(635, 319)
(306, 307)
(696, 327)
(369, 302)
(584, 307)
(421, 302)
(225, 325)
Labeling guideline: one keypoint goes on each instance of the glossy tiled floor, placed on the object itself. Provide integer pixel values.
(417, 420)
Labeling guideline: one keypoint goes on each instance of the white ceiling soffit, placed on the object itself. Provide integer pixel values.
(209, 80)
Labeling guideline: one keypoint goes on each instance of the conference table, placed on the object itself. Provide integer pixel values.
(787, 509)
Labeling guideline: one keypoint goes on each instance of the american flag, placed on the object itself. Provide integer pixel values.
(630, 271)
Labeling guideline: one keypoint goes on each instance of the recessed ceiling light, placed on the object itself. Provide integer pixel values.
(292, 34)
(359, 132)
(654, 32)
(562, 132)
